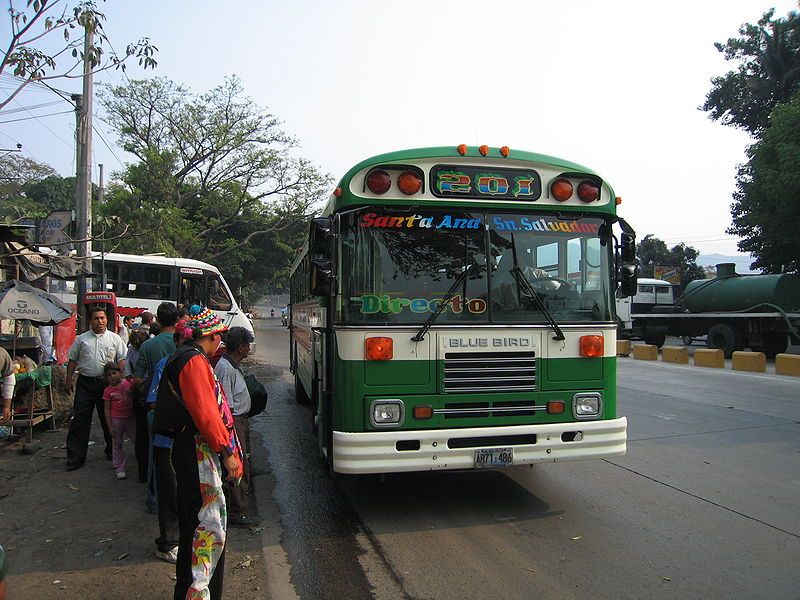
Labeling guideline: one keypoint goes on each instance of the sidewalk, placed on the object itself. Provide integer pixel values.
(84, 534)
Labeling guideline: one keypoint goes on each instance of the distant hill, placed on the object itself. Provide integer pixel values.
(742, 261)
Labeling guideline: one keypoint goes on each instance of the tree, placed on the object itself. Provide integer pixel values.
(766, 203)
(40, 22)
(212, 164)
(17, 174)
(652, 251)
(768, 73)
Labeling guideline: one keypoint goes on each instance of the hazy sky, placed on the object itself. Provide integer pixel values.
(614, 86)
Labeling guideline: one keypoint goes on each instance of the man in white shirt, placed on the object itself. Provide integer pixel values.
(88, 355)
(231, 378)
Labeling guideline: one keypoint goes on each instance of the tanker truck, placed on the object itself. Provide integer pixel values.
(733, 311)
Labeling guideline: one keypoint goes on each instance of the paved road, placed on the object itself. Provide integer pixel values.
(704, 505)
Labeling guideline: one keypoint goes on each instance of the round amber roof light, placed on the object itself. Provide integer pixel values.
(409, 182)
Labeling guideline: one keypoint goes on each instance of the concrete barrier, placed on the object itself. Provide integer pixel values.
(675, 354)
(645, 352)
(706, 357)
(787, 364)
(623, 347)
(749, 361)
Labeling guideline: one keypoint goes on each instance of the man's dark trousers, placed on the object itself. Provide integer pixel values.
(88, 396)
(166, 493)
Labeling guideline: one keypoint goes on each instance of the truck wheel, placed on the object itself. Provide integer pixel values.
(774, 344)
(726, 338)
(655, 339)
(687, 340)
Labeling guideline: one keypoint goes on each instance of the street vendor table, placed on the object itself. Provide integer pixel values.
(24, 413)
(22, 346)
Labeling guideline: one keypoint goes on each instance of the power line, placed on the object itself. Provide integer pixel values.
(46, 127)
(7, 111)
(63, 112)
(110, 149)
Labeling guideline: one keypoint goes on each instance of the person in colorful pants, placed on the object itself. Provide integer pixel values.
(192, 409)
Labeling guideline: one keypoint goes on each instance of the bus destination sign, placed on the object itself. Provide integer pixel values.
(449, 181)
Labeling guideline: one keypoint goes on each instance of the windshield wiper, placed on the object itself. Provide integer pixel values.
(443, 304)
(527, 289)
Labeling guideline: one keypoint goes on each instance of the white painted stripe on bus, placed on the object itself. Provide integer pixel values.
(350, 342)
(547, 173)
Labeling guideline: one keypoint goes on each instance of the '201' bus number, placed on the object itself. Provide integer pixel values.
(490, 185)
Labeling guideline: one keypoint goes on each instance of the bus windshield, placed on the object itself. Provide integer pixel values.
(396, 266)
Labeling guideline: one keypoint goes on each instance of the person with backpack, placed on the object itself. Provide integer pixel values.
(157, 467)
(232, 379)
(192, 409)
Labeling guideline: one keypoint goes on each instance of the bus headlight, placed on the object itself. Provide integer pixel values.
(587, 405)
(386, 413)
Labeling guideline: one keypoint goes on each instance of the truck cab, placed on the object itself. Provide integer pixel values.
(650, 293)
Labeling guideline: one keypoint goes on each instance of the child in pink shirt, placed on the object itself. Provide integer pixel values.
(119, 414)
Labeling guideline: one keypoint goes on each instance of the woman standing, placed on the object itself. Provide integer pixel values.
(192, 409)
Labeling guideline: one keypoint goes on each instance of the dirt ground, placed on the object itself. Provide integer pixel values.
(84, 534)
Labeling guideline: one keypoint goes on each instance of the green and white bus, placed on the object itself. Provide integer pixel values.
(453, 308)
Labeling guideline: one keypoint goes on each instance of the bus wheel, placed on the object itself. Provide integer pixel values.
(687, 340)
(299, 391)
(726, 338)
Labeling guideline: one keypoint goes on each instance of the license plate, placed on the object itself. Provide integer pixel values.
(491, 458)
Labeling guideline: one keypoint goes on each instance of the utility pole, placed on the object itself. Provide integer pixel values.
(102, 191)
(83, 186)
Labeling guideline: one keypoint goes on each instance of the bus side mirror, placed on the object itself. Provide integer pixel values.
(321, 278)
(627, 277)
(627, 248)
(319, 236)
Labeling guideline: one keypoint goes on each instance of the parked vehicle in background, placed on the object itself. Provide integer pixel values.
(734, 312)
(650, 293)
(142, 282)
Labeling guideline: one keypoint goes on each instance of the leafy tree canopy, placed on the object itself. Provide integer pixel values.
(768, 72)
(652, 252)
(42, 24)
(216, 180)
(766, 206)
(17, 173)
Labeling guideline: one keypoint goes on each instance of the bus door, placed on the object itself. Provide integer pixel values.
(319, 386)
(206, 289)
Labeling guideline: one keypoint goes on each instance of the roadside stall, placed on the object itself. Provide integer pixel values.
(22, 302)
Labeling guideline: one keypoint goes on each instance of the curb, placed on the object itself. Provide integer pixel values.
(754, 362)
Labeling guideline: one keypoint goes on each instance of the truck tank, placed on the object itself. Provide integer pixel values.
(731, 292)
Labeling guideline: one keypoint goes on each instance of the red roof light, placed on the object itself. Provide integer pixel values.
(379, 182)
(588, 191)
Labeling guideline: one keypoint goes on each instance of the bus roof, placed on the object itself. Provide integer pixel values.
(472, 152)
(445, 152)
(155, 260)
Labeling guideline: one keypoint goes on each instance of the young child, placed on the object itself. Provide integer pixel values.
(119, 414)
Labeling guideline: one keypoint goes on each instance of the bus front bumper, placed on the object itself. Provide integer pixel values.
(441, 449)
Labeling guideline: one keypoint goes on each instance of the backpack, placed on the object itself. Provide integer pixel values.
(258, 395)
(171, 415)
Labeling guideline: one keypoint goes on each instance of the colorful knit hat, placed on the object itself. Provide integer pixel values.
(204, 322)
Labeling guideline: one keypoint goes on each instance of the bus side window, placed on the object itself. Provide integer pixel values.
(218, 298)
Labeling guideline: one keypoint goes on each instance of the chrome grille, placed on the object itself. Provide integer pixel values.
(489, 372)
